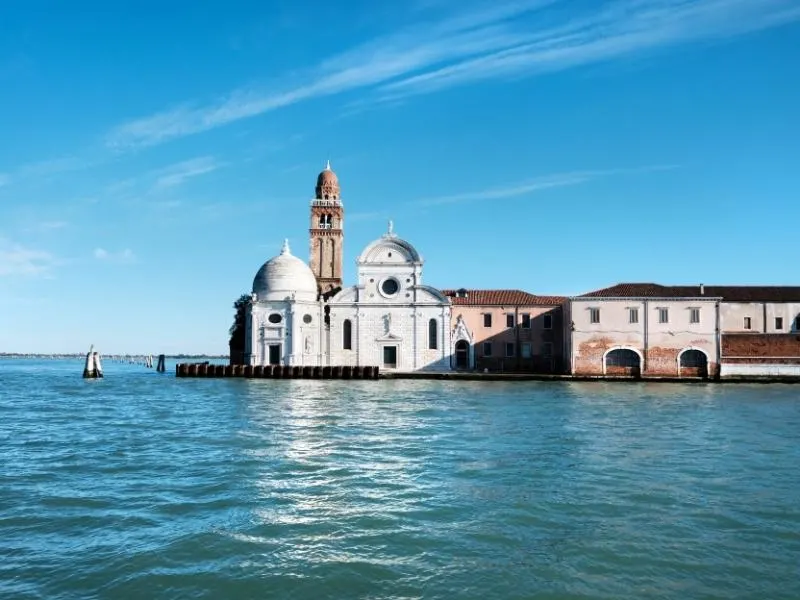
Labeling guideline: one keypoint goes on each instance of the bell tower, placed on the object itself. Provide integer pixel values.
(326, 232)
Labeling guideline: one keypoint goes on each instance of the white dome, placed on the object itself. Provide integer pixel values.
(389, 250)
(284, 277)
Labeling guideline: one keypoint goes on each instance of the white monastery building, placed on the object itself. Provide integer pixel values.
(301, 315)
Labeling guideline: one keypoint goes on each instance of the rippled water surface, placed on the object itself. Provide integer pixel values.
(142, 485)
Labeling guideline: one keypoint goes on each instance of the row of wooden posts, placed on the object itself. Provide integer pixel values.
(276, 371)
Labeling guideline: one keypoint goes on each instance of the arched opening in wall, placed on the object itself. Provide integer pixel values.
(693, 363)
(462, 354)
(433, 330)
(347, 335)
(623, 361)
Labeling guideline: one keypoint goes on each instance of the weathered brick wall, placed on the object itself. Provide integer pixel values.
(752, 346)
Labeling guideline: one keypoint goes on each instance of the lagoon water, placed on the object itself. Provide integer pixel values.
(142, 485)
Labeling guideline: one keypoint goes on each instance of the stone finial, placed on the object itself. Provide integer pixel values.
(328, 165)
(390, 228)
(285, 248)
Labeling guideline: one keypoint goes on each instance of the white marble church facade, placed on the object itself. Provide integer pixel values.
(388, 319)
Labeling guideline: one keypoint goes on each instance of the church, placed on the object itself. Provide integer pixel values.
(302, 315)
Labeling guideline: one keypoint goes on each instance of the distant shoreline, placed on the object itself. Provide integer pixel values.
(109, 355)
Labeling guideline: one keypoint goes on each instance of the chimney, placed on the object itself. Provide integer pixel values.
(702, 289)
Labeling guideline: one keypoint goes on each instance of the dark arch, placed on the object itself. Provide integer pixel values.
(623, 361)
(347, 335)
(693, 363)
(433, 331)
(462, 354)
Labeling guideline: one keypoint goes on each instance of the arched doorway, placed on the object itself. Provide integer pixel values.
(623, 361)
(693, 363)
(462, 354)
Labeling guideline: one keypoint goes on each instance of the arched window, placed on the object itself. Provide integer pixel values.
(347, 335)
(432, 334)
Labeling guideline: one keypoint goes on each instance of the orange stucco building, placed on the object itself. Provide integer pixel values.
(507, 330)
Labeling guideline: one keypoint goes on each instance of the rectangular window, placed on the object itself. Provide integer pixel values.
(663, 315)
(509, 349)
(510, 320)
(694, 315)
(526, 321)
(633, 315)
(547, 350)
(797, 323)
(526, 350)
(487, 348)
(747, 323)
(487, 319)
(547, 322)
(594, 316)
(778, 322)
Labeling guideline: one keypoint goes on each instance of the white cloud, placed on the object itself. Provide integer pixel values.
(124, 256)
(536, 184)
(622, 29)
(16, 259)
(498, 41)
(178, 173)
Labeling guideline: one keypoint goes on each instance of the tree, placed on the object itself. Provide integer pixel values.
(237, 330)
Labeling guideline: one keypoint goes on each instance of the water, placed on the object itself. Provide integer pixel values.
(142, 485)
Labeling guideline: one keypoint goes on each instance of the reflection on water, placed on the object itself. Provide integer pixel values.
(143, 485)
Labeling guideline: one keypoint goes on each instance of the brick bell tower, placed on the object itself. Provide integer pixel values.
(326, 233)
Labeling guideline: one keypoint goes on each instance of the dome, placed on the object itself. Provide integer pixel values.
(283, 277)
(389, 250)
(327, 184)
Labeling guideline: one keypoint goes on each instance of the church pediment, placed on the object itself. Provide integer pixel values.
(389, 337)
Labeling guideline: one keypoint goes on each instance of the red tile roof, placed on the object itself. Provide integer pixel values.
(501, 298)
(729, 293)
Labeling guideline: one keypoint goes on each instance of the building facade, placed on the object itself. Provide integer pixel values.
(284, 321)
(760, 328)
(506, 330)
(643, 330)
(301, 315)
(390, 318)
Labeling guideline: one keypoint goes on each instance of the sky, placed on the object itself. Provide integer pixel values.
(154, 154)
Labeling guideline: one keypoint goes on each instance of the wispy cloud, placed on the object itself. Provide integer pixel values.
(495, 41)
(177, 174)
(536, 184)
(16, 259)
(45, 226)
(621, 29)
(123, 256)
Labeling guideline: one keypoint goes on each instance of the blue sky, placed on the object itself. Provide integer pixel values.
(154, 155)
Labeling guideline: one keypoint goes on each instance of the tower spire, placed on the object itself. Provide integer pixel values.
(285, 248)
(328, 165)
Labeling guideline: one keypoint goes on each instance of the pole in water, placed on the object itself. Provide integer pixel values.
(161, 368)
(92, 369)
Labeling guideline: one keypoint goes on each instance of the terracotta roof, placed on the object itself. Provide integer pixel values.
(501, 298)
(729, 293)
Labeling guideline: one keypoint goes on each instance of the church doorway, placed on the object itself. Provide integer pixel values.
(390, 357)
(274, 354)
(462, 354)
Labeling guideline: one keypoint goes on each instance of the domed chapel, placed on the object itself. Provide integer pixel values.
(301, 314)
